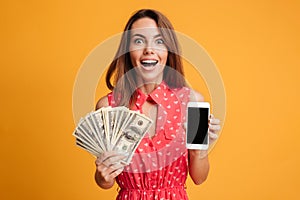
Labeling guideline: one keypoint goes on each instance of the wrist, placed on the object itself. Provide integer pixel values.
(102, 182)
(200, 154)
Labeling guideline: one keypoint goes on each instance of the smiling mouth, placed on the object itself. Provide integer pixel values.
(149, 63)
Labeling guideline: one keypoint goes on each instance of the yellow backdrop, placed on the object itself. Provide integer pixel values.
(255, 45)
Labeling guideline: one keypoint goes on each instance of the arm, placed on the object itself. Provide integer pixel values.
(103, 102)
(198, 165)
(198, 159)
(107, 165)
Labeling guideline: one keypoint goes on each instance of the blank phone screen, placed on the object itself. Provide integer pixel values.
(197, 125)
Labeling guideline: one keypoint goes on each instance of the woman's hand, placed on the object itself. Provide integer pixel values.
(213, 128)
(108, 167)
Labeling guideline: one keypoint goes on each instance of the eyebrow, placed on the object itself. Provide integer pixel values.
(140, 35)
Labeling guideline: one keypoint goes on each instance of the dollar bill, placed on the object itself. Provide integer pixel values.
(111, 122)
(121, 116)
(112, 129)
(84, 133)
(131, 135)
(104, 115)
(97, 120)
(127, 117)
(93, 128)
(88, 148)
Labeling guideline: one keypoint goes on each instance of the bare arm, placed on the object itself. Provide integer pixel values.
(198, 159)
(103, 102)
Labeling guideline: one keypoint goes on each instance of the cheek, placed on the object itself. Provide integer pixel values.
(134, 57)
(164, 56)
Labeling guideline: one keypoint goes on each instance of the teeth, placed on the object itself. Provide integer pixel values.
(149, 62)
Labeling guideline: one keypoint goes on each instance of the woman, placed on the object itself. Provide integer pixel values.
(148, 76)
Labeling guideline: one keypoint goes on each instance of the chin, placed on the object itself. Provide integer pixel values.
(148, 78)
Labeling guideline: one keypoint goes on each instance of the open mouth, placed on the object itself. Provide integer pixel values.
(149, 63)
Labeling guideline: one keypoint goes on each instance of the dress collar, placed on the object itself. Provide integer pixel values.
(156, 96)
(170, 110)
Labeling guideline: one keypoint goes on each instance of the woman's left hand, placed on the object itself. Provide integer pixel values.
(213, 128)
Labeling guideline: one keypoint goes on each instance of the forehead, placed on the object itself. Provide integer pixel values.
(145, 26)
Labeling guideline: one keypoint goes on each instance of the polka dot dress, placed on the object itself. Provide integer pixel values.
(159, 167)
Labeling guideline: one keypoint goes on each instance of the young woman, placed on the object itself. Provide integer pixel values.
(148, 76)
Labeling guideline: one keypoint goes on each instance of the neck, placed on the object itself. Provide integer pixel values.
(148, 88)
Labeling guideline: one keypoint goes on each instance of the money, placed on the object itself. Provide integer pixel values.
(131, 134)
(112, 129)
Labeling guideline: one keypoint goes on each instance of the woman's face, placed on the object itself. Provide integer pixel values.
(148, 51)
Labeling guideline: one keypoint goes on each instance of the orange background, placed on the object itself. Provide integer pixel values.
(255, 45)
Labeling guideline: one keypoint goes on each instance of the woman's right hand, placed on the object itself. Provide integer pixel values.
(108, 167)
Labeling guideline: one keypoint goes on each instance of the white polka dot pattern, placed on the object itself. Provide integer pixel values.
(158, 169)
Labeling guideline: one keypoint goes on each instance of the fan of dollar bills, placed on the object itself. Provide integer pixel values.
(112, 129)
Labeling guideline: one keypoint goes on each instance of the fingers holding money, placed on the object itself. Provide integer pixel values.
(109, 165)
(109, 158)
(109, 173)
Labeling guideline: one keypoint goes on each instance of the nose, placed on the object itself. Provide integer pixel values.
(148, 50)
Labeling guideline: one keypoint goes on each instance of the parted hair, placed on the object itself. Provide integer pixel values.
(122, 80)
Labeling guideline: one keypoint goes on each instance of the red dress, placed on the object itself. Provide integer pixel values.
(159, 167)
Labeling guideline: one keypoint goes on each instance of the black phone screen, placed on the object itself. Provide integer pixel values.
(197, 125)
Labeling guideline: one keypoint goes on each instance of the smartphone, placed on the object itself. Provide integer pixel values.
(197, 125)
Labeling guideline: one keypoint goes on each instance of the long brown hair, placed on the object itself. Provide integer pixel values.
(124, 86)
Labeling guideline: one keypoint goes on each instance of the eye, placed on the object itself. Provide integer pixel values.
(138, 41)
(160, 41)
